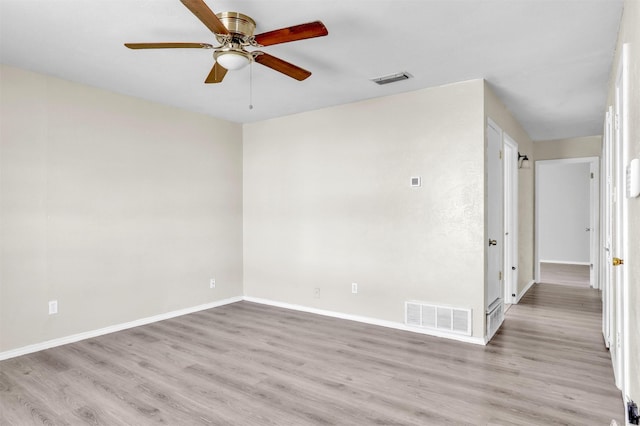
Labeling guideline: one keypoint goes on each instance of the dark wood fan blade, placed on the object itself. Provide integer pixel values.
(206, 15)
(284, 67)
(217, 74)
(297, 32)
(168, 46)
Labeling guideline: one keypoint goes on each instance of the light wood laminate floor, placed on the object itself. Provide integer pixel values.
(249, 364)
(565, 274)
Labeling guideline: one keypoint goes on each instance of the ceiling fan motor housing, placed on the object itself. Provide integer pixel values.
(238, 23)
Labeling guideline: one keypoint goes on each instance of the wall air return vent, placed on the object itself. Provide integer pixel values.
(392, 78)
(440, 318)
(495, 317)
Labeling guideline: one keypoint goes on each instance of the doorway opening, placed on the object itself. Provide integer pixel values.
(567, 218)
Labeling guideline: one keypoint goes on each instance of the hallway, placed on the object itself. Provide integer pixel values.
(554, 335)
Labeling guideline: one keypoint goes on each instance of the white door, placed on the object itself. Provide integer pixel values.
(495, 228)
(620, 285)
(510, 219)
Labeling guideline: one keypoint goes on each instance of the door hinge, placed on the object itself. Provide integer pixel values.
(500, 275)
(500, 154)
(616, 121)
(592, 175)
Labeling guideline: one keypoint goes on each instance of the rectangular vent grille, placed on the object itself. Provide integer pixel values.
(392, 78)
(494, 320)
(441, 318)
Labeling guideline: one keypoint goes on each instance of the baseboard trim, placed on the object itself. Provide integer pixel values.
(113, 328)
(525, 290)
(168, 315)
(365, 320)
(562, 262)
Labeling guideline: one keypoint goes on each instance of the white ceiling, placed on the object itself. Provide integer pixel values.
(548, 60)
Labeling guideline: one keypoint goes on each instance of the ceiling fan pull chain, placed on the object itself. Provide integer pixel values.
(251, 85)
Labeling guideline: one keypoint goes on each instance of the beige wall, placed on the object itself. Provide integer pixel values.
(495, 109)
(327, 202)
(589, 146)
(118, 208)
(630, 33)
(122, 209)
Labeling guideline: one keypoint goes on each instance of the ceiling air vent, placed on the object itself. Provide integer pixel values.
(392, 78)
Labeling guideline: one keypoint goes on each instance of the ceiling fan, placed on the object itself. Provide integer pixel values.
(234, 32)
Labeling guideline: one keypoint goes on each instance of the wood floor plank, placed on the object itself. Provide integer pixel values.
(250, 364)
(564, 274)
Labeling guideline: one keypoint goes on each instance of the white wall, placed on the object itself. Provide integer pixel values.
(118, 208)
(327, 202)
(563, 212)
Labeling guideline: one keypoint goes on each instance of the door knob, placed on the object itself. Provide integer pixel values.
(492, 242)
(587, 229)
(617, 261)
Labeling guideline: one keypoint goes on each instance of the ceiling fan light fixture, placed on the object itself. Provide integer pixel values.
(233, 60)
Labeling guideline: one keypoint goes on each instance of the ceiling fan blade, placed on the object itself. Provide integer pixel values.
(279, 65)
(297, 32)
(206, 15)
(168, 46)
(217, 74)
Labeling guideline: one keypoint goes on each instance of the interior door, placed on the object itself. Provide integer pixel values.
(619, 243)
(495, 211)
(510, 163)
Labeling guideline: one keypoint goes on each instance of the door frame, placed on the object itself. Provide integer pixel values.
(594, 163)
(594, 219)
(495, 199)
(606, 228)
